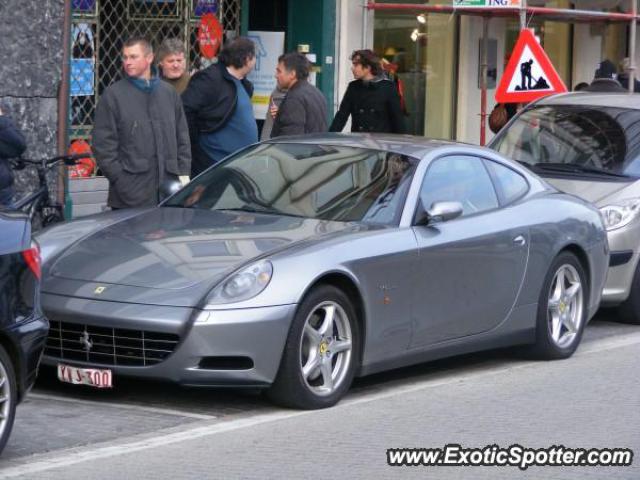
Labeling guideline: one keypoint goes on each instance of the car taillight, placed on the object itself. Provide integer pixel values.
(32, 258)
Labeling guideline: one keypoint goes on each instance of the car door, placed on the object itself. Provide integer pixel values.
(471, 268)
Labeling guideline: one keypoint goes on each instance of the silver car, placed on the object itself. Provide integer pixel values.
(588, 144)
(298, 264)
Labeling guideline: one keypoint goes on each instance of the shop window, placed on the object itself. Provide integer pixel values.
(419, 53)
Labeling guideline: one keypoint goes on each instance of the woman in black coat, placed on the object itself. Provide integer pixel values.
(371, 99)
(12, 144)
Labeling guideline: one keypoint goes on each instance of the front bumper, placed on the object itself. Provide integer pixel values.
(241, 347)
(623, 244)
(28, 338)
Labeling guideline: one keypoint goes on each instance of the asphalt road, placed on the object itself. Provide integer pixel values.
(146, 430)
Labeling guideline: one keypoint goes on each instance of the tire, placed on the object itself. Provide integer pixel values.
(629, 310)
(8, 397)
(321, 352)
(562, 309)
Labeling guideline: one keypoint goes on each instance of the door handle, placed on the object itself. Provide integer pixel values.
(519, 240)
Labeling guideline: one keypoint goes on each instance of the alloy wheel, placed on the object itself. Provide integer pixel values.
(5, 400)
(326, 348)
(564, 307)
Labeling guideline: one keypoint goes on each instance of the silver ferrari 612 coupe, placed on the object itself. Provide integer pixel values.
(300, 263)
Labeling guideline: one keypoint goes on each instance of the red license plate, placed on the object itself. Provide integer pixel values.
(94, 377)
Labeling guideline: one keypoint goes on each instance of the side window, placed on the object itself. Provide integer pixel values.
(511, 184)
(461, 179)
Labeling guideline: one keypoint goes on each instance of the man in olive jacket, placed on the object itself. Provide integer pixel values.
(304, 108)
(140, 135)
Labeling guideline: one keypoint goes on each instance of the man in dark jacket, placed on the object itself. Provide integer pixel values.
(371, 99)
(12, 144)
(304, 108)
(605, 79)
(140, 135)
(218, 106)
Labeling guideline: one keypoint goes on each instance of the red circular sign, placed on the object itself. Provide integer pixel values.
(209, 35)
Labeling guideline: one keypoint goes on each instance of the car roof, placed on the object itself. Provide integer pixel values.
(594, 99)
(409, 145)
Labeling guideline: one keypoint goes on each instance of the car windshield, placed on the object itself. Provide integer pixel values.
(312, 181)
(572, 140)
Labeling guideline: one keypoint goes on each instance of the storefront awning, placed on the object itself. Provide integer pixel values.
(543, 13)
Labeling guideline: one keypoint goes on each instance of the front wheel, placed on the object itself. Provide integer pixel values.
(562, 309)
(8, 397)
(321, 352)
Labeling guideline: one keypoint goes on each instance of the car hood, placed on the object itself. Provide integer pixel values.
(598, 193)
(173, 256)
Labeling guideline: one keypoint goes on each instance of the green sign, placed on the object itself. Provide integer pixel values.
(487, 3)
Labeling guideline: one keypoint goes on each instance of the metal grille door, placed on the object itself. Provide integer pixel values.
(100, 27)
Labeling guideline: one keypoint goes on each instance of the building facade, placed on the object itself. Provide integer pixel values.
(31, 39)
(432, 49)
(437, 55)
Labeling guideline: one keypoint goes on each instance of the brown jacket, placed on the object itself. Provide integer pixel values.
(303, 110)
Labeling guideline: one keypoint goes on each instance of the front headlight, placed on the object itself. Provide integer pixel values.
(243, 285)
(620, 214)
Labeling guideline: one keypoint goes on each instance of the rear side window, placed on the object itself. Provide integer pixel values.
(510, 184)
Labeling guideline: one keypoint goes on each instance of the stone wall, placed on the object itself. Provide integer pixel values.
(30, 72)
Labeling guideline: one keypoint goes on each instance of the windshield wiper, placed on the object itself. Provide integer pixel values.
(574, 168)
(246, 208)
(253, 209)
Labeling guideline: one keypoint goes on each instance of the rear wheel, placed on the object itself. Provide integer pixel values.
(319, 358)
(44, 214)
(51, 215)
(8, 397)
(629, 310)
(562, 309)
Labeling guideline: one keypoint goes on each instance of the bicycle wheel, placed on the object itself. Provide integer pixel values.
(35, 214)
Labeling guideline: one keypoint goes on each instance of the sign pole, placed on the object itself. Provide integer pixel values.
(523, 14)
(632, 47)
(483, 81)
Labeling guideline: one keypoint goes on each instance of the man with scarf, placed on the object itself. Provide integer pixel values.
(140, 135)
(371, 99)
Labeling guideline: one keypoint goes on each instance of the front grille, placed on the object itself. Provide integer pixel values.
(108, 346)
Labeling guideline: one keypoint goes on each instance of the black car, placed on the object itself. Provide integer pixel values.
(23, 327)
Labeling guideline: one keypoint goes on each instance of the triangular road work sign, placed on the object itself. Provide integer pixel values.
(529, 74)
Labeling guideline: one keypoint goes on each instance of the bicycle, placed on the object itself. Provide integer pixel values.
(41, 210)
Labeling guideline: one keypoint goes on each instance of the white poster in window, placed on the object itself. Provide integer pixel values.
(269, 46)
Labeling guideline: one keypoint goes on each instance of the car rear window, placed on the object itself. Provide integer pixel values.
(600, 137)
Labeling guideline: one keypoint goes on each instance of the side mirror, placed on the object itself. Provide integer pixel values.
(444, 211)
(439, 212)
